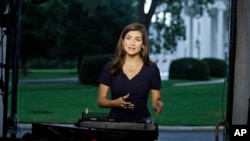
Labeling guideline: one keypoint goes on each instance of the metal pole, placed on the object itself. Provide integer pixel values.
(14, 41)
(232, 51)
(15, 70)
(242, 65)
(11, 58)
(238, 86)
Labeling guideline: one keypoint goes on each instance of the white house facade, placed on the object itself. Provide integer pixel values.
(206, 36)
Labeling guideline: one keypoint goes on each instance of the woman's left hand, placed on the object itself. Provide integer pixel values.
(158, 106)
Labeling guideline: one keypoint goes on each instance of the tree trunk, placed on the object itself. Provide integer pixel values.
(24, 66)
(79, 62)
(145, 18)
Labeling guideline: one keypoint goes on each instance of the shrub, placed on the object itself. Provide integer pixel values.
(217, 67)
(91, 68)
(43, 63)
(38, 63)
(189, 68)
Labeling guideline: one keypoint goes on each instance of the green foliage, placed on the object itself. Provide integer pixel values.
(95, 31)
(91, 69)
(70, 29)
(189, 68)
(217, 67)
(39, 63)
(167, 35)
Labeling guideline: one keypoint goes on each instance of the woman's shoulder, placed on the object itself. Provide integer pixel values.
(152, 66)
(108, 64)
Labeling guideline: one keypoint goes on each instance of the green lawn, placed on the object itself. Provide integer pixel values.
(195, 105)
(49, 74)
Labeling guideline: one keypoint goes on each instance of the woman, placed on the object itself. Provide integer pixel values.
(130, 77)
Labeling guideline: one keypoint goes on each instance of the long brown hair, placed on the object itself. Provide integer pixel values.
(119, 57)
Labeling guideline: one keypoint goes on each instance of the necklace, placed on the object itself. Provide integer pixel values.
(132, 68)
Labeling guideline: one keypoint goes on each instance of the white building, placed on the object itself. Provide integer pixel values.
(206, 36)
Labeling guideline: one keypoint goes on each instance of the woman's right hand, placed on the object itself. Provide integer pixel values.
(125, 104)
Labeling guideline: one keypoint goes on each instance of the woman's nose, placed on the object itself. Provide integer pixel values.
(132, 42)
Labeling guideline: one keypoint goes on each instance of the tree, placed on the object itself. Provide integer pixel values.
(41, 30)
(66, 29)
(176, 30)
(93, 27)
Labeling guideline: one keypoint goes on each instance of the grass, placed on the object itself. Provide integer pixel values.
(48, 74)
(195, 105)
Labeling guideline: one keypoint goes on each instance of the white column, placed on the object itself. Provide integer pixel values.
(220, 40)
(189, 31)
(205, 41)
(184, 47)
(191, 46)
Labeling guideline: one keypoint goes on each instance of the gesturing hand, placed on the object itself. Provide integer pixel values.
(158, 106)
(125, 104)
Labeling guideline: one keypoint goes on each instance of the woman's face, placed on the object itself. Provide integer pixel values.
(133, 42)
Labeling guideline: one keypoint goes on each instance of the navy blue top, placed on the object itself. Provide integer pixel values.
(138, 87)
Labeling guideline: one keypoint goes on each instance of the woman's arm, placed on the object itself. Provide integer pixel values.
(104, 102)
(157, 104)
(102, 99)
